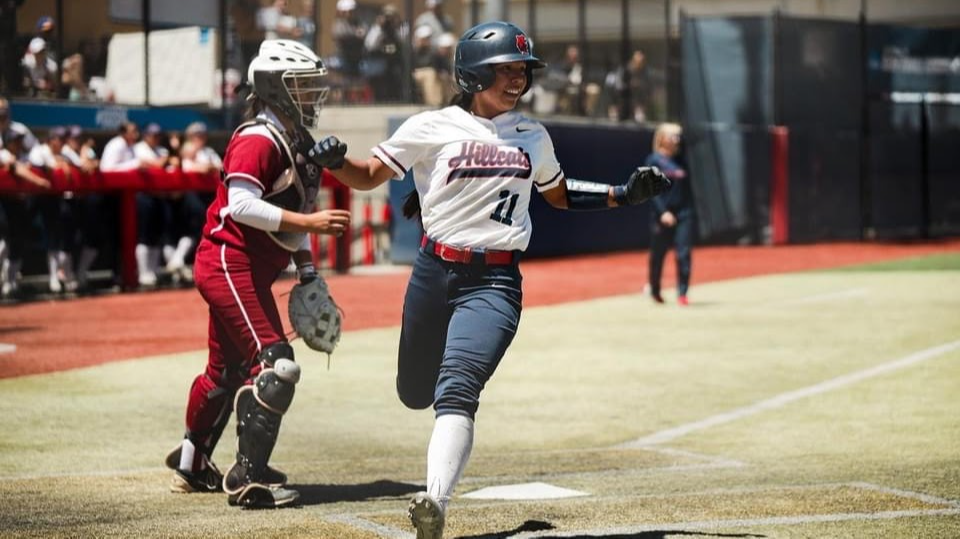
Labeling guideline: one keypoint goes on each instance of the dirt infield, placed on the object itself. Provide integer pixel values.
(59, 335)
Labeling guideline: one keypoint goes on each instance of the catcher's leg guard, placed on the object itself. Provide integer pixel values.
(260, 409)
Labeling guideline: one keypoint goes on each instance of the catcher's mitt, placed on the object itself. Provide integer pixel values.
(314, 315)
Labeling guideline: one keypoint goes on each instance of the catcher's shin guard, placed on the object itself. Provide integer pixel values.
(260, 409)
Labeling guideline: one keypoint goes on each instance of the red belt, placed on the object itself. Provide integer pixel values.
(468, 256)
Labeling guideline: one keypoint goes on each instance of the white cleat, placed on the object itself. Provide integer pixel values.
(426, 515)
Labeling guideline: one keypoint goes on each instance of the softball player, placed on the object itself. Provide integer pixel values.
(257, 221)
(475, 165)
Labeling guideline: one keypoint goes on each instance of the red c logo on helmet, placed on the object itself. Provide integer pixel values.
(522, 44)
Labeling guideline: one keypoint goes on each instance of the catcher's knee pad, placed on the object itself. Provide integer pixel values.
(279, 350)
(260, 408)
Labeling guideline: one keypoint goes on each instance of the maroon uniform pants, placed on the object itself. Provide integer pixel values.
(244, 319)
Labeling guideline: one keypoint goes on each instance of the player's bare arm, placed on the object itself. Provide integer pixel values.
(363, 175)
(358, 174)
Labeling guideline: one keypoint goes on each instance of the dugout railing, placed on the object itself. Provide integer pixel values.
(125, 185)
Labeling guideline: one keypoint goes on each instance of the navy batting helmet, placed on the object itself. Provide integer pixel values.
(487, 44)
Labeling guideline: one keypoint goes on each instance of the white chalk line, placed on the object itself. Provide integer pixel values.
(738, 523)
(953, 508)
(791, 396)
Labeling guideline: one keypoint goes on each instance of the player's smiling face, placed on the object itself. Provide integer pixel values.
(503, 95)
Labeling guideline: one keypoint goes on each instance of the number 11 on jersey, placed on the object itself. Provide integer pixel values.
(504, 211)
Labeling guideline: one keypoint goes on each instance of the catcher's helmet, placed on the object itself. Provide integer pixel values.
(289, 77)
(487, 44)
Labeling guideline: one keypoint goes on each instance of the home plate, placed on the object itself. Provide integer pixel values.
(524, 491)
(7, 348)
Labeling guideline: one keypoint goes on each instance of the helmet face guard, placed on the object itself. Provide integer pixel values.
(307, 92)
(485, 45)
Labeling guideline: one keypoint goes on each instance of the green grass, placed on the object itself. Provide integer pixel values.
(937, 262)
(81, 451)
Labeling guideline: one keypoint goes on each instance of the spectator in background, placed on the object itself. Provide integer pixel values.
(189, 209)
(384, 46)
(439, 22)
(277, 22)
(19, 209)
(307, 25)
(8, 127)
(635, 79)
(89, 208)
(579, 97)
(73, 80)
(46, 28)
(446, 45)
(154, 212)
(349, 33)
(56, 211)
(195, 155)
(118, 154)
(432, 67)
(40, 71)
(425, 72)
(673, 213)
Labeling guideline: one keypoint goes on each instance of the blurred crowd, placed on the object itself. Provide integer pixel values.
(73, 229)
(379, 56)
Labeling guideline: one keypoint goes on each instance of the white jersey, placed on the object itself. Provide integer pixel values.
(474, 175)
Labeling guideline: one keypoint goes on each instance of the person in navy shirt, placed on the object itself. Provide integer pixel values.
(673, 213)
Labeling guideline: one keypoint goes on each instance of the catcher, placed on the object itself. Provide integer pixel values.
(262, 213)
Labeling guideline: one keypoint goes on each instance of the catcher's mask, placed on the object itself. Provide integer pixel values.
(288, 77)
(487, 44)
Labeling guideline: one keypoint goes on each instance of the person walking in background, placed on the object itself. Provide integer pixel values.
(260, 218)
(673, 213)
(474, 166)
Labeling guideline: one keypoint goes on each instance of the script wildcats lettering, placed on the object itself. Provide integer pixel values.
(481, 160)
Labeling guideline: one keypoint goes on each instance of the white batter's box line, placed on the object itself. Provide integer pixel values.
(721, 462)
(738, 523)
(778, 401)
(366, 525)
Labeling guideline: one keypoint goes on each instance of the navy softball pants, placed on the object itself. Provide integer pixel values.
(458, 320)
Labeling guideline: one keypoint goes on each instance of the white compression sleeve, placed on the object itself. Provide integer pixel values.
(447, 455)
(247, 207)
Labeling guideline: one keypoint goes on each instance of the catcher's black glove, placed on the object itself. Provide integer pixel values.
(328, 153)
(644, 183)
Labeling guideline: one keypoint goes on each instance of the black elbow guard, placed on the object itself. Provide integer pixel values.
(583, 195)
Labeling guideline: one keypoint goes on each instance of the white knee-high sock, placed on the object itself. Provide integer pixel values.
(183, 248)
(447, 455)
(142, 254)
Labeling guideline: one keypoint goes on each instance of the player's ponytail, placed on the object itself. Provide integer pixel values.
(411, 204)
